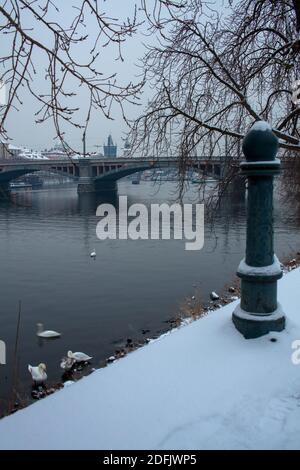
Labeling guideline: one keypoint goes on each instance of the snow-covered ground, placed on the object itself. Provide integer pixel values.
(202, 386)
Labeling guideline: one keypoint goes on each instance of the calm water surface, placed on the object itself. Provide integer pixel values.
(46, 238)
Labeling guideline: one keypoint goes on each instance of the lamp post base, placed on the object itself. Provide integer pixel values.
(253, 325)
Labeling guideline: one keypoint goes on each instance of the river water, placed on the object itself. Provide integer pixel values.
(45, 242)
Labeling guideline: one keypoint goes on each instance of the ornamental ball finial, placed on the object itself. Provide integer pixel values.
(260, 143)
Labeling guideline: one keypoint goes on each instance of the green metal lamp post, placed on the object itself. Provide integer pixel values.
(258, 312)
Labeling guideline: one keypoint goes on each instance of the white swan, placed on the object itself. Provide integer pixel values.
(41, 333)
(67, 363)
(93, 254)
(38, 373)
(79, 356)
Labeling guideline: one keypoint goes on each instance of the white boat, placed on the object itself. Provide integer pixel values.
(20, 185)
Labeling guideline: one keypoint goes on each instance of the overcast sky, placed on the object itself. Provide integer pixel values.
(21, 126)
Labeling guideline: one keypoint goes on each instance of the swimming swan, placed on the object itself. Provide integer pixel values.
(79, 356)
(41, 333)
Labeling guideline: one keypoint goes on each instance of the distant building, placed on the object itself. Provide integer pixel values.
(4, 152)
(54, 154)
(127, 148)
(14, 150)
(110, 150)
(59, 147)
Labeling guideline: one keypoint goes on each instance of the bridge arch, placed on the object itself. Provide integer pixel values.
(7, 176)
(115, 175)
(10, 175)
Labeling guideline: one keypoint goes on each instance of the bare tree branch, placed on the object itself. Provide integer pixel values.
(214, 73)
(38, 32)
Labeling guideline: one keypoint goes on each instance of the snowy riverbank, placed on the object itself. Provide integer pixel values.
(202, 386)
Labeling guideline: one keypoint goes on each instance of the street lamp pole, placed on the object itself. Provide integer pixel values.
(258, 312)
(84, 144)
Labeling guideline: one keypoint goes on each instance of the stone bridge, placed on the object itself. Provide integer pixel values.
(96, 174)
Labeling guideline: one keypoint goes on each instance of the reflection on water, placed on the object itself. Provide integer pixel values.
(46, 240)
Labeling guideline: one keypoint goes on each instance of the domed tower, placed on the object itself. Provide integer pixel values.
(127, 147)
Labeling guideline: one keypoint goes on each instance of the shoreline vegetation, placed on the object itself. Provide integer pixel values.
(191, 309)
